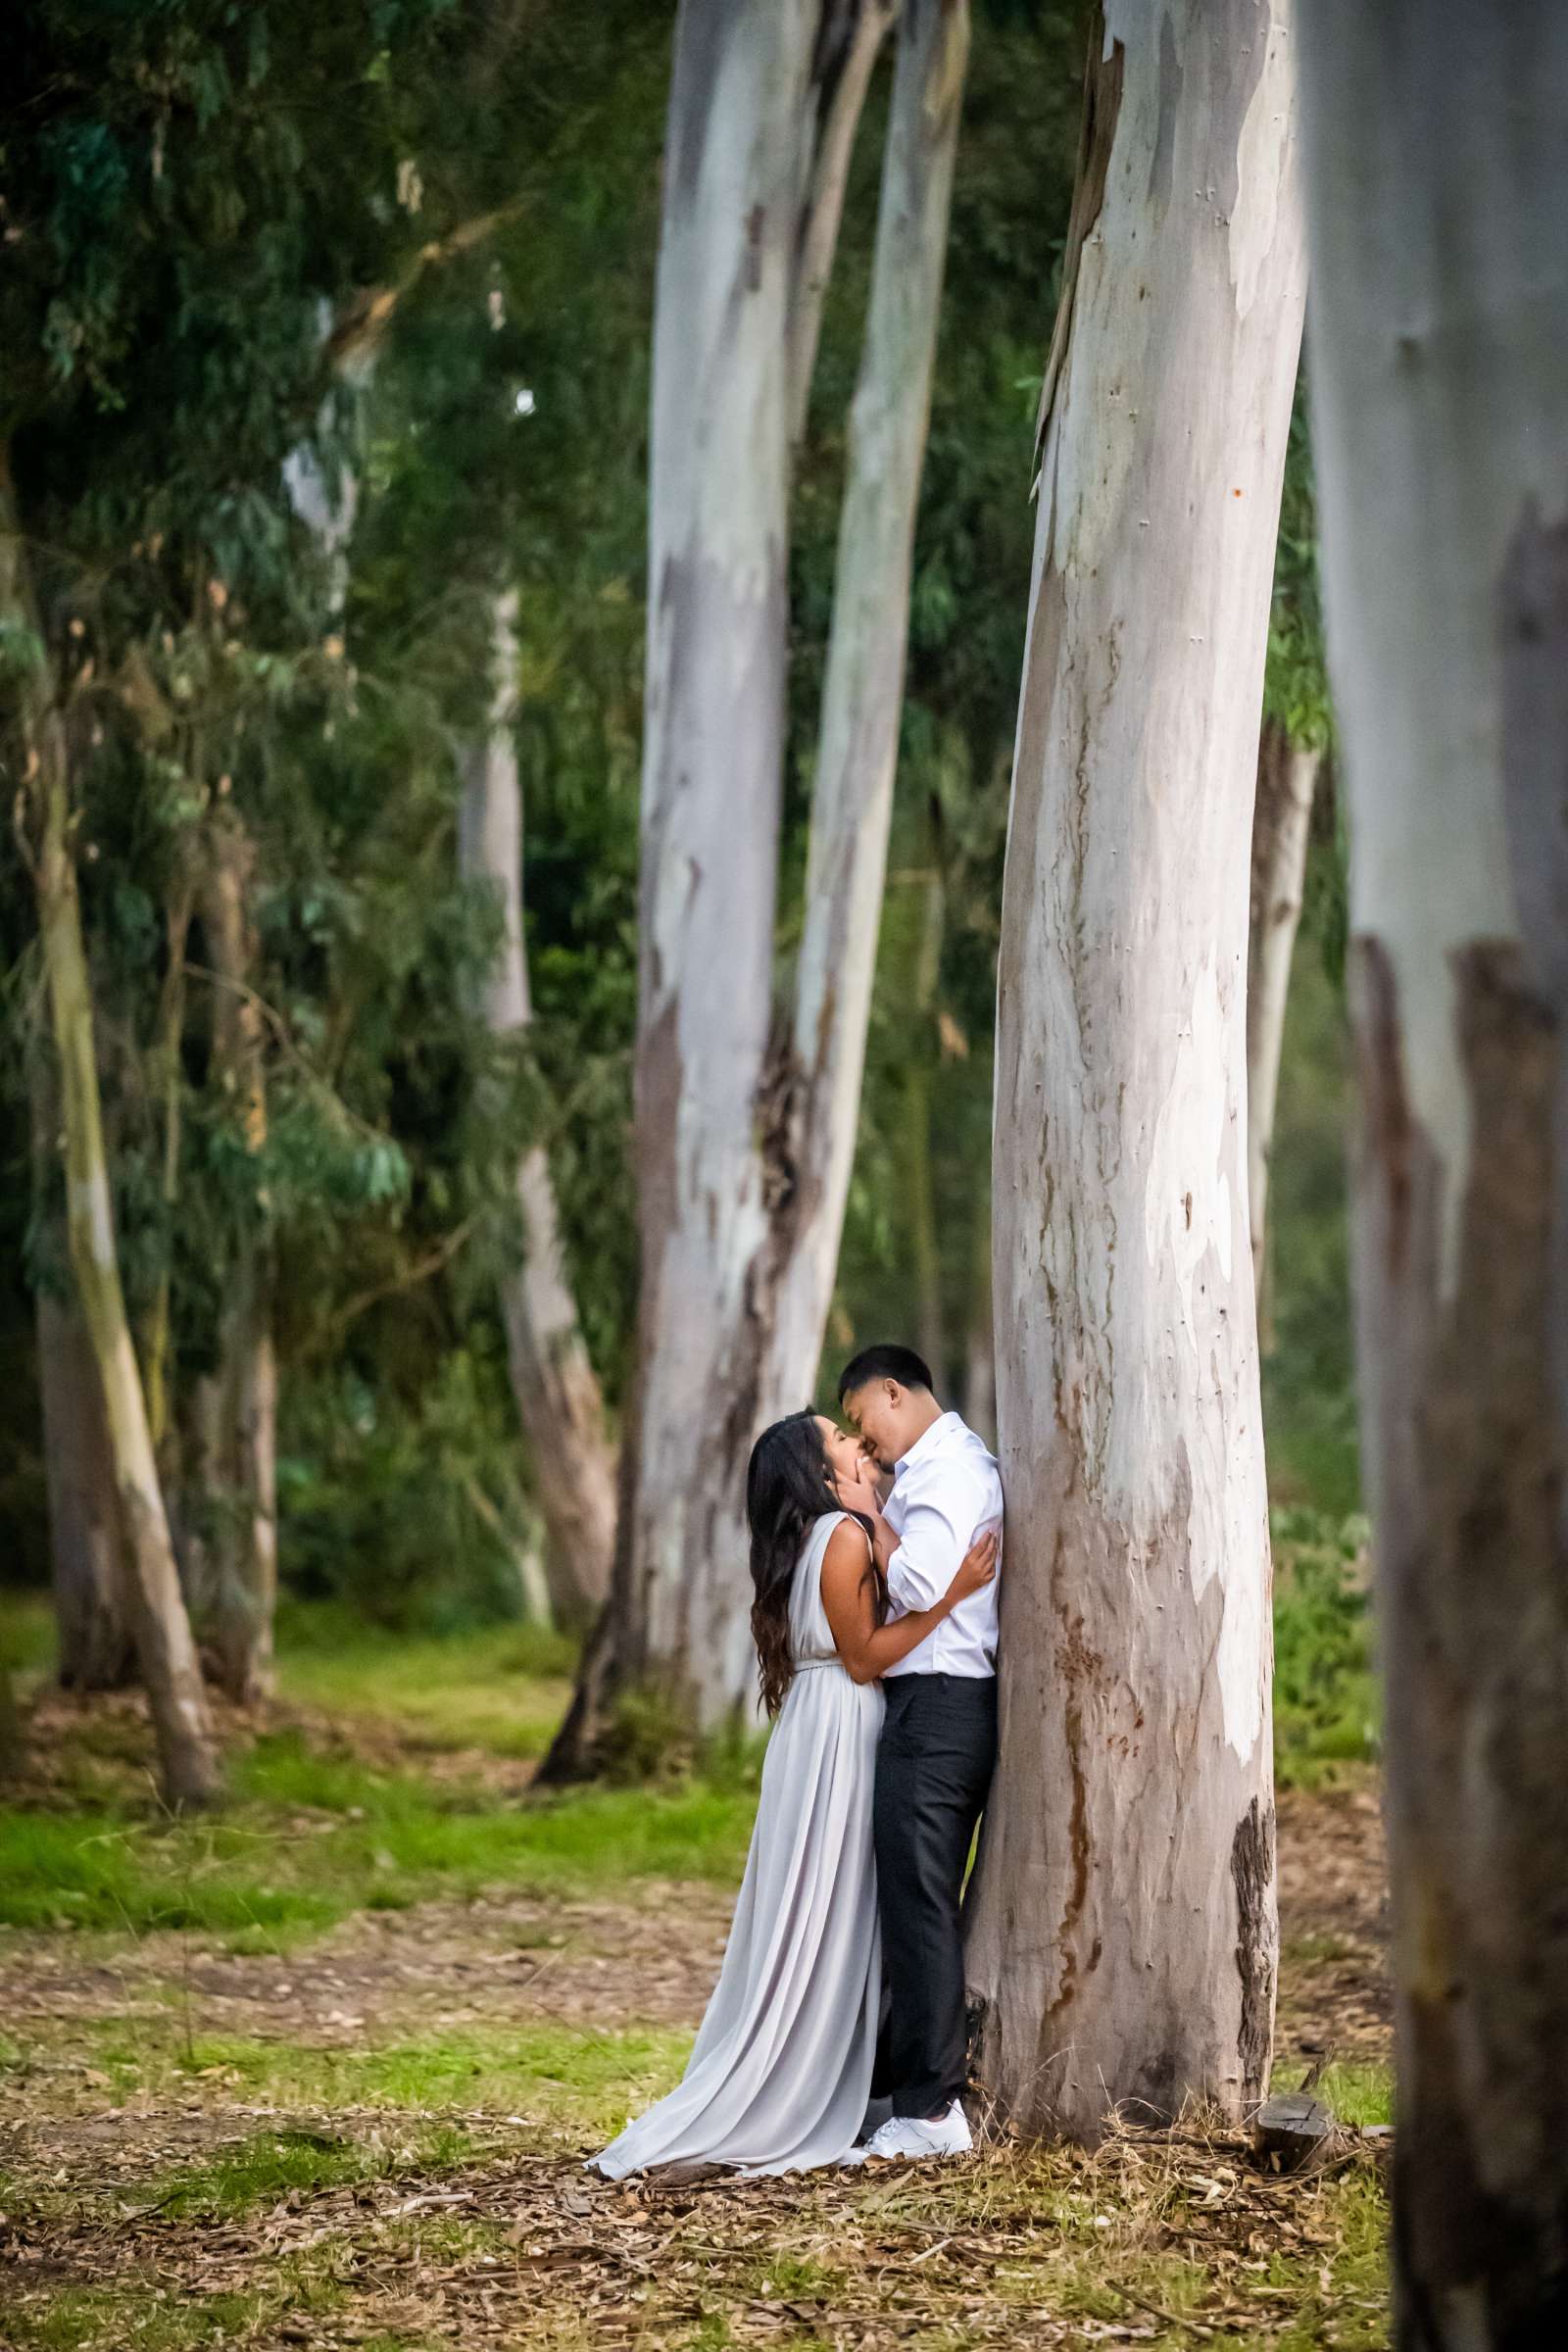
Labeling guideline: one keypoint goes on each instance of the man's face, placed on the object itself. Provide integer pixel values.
(879, 1415)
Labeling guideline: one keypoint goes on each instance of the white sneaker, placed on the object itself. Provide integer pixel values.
(916, 2141)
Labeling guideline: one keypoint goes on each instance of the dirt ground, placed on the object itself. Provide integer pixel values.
(517, 2248)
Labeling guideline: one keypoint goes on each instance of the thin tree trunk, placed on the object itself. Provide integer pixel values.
(242, 1537)
(11, 1736)
(1282, 825)
(558, 1397)
(1124, 1942)
(849, 40)
(165, 1649)
(863, 688)
(167, 1072)
(91, 1605)
(96, 1650)
(924, 1246)
(745, 1142)
(1439, 190)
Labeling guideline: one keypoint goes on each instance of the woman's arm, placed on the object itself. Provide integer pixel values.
(848, 1595)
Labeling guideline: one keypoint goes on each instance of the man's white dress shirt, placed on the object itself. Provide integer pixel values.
(945, 1491)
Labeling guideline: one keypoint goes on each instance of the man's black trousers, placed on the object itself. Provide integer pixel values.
(933, 1769)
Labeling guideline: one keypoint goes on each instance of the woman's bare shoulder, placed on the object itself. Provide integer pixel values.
(848, 1548)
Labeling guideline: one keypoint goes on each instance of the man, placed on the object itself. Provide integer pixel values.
(939, 1737)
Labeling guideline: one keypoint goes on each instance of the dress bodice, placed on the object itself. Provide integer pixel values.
(811, 1636)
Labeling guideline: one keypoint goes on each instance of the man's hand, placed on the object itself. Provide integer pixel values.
(861, 1495)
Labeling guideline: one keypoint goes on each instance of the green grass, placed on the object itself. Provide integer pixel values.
(1360, 2092)
(310, 1837)
(502, 1688)
(557, 2073)
(1327, 1704)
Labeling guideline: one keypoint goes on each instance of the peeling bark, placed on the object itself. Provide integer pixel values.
(1123, 1942)
(1282, 824)
(746, 1128)
(558, 1398)
(165, 1649)
(712, 781)
(1441, 424)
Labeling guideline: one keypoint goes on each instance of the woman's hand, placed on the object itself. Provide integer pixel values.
(857, 1493)
(976, 1568)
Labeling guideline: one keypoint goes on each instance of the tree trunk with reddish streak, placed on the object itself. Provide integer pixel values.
(1438, 164)
(1282, 827)
(558, 1397)
(744, 1135)
(1124, 1942)
(241, 1534)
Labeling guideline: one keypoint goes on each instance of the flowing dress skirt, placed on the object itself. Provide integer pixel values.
(780, 2074)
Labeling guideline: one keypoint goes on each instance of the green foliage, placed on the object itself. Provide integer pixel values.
(1296, 687)
(1309, 1408)
(1327, 1707)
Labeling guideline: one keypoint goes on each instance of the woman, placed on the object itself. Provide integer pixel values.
(778, 2078)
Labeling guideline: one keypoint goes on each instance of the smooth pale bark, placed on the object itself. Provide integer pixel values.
(558, 1397)
(241, 1534)
(165, 1652)
(863, 690)
(710, 799)
(1282, 826)
(1124, 1945)
(744, 1139)
(848, 43)
(918, 1168)
(1439, 192)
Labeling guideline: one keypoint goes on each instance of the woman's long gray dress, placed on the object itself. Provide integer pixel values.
(778, 2078)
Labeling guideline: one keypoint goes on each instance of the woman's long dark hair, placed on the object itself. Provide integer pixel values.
(788, 1486)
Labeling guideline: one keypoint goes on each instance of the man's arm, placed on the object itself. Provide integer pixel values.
(937, 1524)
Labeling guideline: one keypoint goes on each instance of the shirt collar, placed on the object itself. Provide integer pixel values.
(932, 1441)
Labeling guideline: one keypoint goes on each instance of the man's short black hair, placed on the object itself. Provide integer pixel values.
(885, 1362)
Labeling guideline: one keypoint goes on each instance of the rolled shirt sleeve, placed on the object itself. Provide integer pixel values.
(935, 1537)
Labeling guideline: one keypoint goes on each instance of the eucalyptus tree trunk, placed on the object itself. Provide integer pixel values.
(91, 1612)
(558, 1398)
(1440, 415)
(745, 1132)
(711, 797)
(85, 1540)
(862, 692)
(11, 1735)
(1282, 825)
(164, 1650)
(850, 36)
(241, 1534)
(1124, 1945)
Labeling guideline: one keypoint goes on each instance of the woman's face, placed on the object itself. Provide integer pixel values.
(842, 1449)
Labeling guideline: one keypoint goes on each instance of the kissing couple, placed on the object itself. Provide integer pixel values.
(875, 1623)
